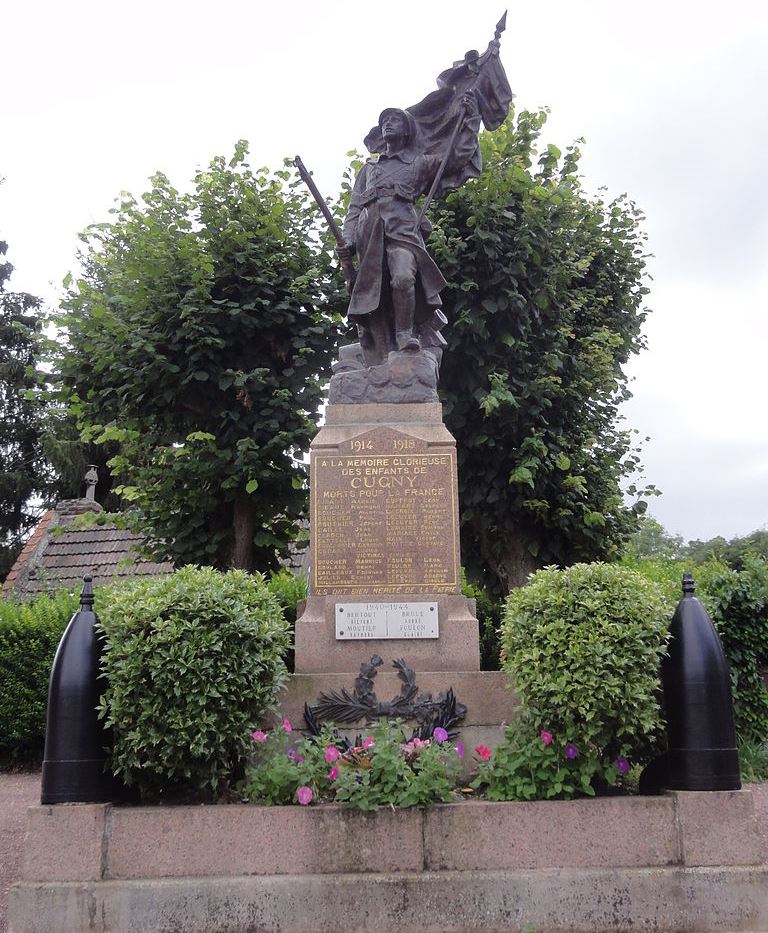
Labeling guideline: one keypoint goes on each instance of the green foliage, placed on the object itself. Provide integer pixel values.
(665, 572)
(583, 648)
(24, 472)
(737, 601)
(753, 759)
(288, 588)
(652, 540)
(489, 610)
(195, 337)
(193, 661)
(29, 636)
(281, 763)
(733, 552)
(384, 771)
(526, 767)
(545, 302)
(390, 773)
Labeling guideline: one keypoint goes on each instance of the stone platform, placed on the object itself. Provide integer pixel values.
(683, 862)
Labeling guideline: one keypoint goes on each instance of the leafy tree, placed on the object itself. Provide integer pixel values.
(195, 335)
(23, 469)
(41, 456)
(734, 552)
(652, 540)
(545, 302)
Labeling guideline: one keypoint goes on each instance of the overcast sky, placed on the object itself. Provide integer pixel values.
(671, 97)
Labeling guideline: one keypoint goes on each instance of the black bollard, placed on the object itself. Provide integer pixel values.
(75, 738)
(701, 734)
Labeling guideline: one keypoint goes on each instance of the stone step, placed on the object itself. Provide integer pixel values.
(641, 900)
(683, 862)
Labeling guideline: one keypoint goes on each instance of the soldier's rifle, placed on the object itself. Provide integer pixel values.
(347, 266)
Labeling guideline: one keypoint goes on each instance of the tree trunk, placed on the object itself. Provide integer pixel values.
(512, 563)
(243, 528)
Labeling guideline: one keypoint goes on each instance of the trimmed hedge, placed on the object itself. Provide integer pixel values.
(737, 601)
(193, 661)
(29, 636)
(583, 649)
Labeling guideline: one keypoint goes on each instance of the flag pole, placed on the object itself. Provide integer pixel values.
(500, 27)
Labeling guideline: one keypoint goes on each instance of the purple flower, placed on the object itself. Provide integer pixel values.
(294, 756)
(304, 795)
(440, 735)
(460, 748)
(571, 751)
(622, 765)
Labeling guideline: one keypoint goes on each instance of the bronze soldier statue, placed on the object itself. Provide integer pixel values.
(422, 150)
(397, 288)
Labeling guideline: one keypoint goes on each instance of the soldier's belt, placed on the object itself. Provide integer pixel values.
(386, 191)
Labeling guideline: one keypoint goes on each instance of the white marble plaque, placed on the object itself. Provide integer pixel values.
(386, 620)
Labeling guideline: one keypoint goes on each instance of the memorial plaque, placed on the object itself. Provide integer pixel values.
(384, 516)
(386, 620)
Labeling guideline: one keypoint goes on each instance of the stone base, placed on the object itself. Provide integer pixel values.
(318, 651)
(486, 695)
(406, 376)
(684, 862)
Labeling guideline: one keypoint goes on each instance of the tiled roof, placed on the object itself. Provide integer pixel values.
(61, 556)
(28, 551)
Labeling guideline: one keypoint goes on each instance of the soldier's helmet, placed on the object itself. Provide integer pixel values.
(407, 117)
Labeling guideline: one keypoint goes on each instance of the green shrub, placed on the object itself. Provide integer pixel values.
(737, 601)
(288, 588)
(753, 758)
(193, 661)
(29, 636)
(489, 611)
(665, 572)
(583, 649)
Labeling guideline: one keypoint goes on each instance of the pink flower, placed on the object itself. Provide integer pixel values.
(546, 737)
(294, 756)
(368, 741)
(333, 773)
(331, 754)
(483, 752)
(440, 735)
(259, 736)
(287, 725)
(622, 765)
(460, 748)
(304, 795)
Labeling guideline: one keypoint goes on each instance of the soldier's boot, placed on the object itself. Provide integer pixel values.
(404, 305)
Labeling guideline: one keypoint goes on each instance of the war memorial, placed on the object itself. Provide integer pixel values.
(385, 628)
